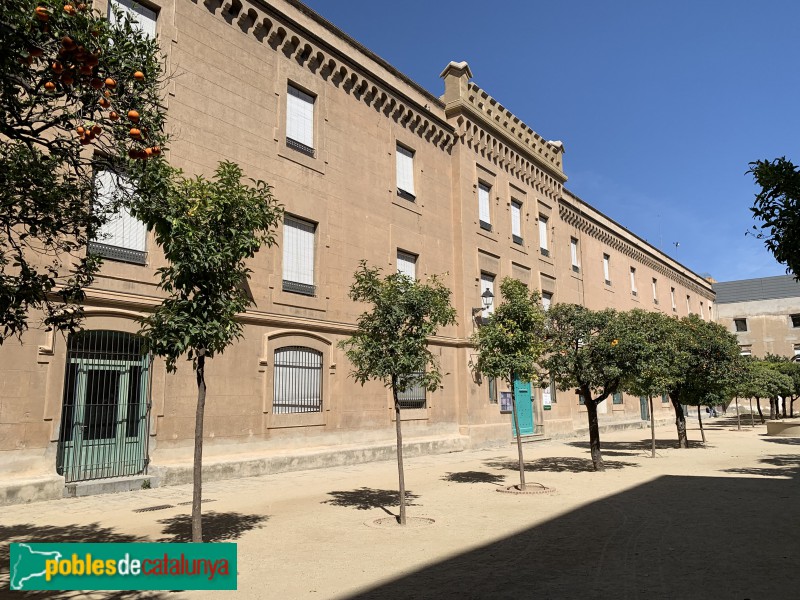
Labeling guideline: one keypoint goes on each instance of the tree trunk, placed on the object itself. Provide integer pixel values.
(738, 419)
(700, 420)
(400, 474)
(652, 428)
(680, 423)
(197, 494)
(783, 406)
(752, 416)
(760, 414)
(594, 431)
(516, 430)
(771, 409)
(791, 406)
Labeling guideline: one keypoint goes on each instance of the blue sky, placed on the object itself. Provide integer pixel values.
(661, 105)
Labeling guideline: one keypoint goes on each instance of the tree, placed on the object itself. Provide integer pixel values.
(777, 207)
(591, 351)
(708, 366)
(207, 229)
(657, 357)
(74, 89)
(779, 385)
(511, 343)
(391, 339)
(783, 364)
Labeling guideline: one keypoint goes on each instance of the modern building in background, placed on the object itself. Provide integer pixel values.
(764, 314)
(368, 165)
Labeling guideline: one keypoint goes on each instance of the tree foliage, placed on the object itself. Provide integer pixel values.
(777, 208)
(511, 343)
(68, 79)
(658, 355)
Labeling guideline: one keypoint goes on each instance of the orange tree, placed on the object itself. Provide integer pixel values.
(78, 95)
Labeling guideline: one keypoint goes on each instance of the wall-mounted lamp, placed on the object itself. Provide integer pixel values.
(487, 298)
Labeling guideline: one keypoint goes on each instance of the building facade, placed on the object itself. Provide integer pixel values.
(368, 166)
(764, 314)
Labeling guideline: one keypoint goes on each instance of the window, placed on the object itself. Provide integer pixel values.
(487, 283)
(413, 397)
(543, 247)
(702, 314)
(405, 173)
(483, 206)
(516, 222)
(573, 253)
(492, 390)
(688, 304)
(298, 256)
(581, 400)
(606, 269)
(144, 17)
(655, 290)
(616, 398)
(297, 386)
(672, 298)
(122, 237)
(740, 325)
(407, 264)
(664, 399)
(795, 320)
(796, 352)
(547, 300)
(634, 291)
(300, 121)
(746, 350)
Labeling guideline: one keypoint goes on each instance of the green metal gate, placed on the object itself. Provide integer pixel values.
(106, 408)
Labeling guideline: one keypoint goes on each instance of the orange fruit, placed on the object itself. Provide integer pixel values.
(138, 76)
(107, 93)
(86, 70)
(58, 68)
(135, 133)
(80, 130)
(133, 153)
(36, 52)
(156, 150)
(42, 13)
(67, 79)
(113, 115)
(50, 86)
(86, 140)
(67, 42)
(133, 116)
(96, 83)
(104, 102)
(96, 130)
(110, 83)
(81, 6)
(69, 9)
(148, 152)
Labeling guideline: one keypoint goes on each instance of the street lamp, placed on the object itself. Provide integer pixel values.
(487, 298)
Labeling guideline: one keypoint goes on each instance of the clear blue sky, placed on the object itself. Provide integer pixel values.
(660, 105)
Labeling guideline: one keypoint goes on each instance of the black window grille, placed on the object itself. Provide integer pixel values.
(106, 407)
(300, 147)
(413, 397)
(297, 386)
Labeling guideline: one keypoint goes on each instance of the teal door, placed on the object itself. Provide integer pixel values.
(644, 407)
(522, 390)
(105, 409)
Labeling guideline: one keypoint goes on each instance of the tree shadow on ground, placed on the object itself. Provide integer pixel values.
(94, 532)
(557, 464)
(365, 498)
(782, 465)
(474, 477)
(635, 448)
(217, 527)
(636, 539)
(782, 440)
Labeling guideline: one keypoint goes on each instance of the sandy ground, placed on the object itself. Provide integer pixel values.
(714, 522)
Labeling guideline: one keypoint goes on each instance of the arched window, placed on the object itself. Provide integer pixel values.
(297, 384)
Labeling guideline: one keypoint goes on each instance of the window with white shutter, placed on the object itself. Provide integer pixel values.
(634, 290)
(606, 269)
(407, 264)
(573, 254)
(123, 237)
(655, 290)
(144, 17)
(483, 206)
(487, 283)
(300, 121)
(516, 222)
(405, 173)
(672, 298)
(298, 256)
(543, 234)
(547, 300)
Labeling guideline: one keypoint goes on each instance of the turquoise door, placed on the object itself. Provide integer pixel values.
(644, 407)
(522, 390)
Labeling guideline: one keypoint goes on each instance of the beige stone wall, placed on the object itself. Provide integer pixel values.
(227, 100)
(769, 325)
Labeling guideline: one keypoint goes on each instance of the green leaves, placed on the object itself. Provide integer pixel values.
(207, 229)
(513, 340)
(777, 207)
(391, 340)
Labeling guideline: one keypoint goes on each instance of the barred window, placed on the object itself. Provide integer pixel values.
(297, 384)
(413, 397)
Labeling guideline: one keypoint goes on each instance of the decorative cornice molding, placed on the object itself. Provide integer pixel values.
(577, 219)
(294, 42)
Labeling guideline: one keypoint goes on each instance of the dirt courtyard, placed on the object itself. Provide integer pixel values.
(714, 522)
